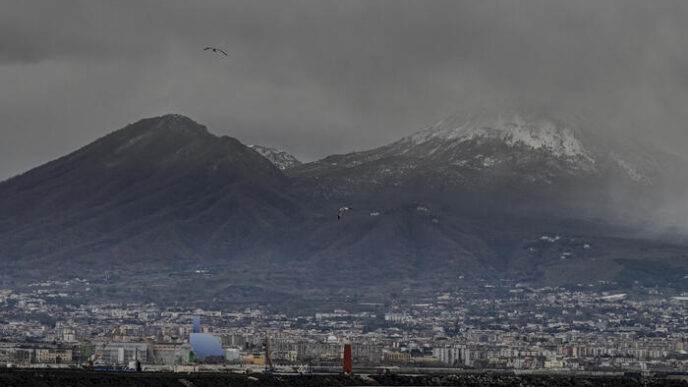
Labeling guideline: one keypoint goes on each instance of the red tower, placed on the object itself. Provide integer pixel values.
(347, 367)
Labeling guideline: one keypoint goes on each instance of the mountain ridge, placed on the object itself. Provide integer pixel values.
(486, 142)
(280, 158)
(164, 173)
(166, 194)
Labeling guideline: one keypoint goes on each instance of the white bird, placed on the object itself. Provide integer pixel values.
(342, 211)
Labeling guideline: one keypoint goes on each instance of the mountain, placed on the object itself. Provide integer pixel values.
(281, 159)
(493, 148)
(171, 212)
(485, 193)
(492, 158)
(160, 191)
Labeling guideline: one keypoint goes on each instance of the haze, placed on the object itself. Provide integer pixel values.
(316, 78)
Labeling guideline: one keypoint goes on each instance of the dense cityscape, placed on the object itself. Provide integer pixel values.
(509, 327)
(344, 193)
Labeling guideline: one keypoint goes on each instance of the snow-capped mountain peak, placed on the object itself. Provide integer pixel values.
(514, 130)
(279, 158)
(488, 148)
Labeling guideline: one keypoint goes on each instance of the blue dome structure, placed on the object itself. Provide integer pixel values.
(205, 344)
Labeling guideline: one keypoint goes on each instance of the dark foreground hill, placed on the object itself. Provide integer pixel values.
(163, 207)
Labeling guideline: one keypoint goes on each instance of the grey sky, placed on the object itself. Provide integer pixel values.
(321, 77)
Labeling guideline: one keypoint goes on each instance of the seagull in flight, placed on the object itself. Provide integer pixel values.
(342, 211)
(214, 49)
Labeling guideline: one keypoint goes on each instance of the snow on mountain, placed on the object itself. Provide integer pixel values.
(279, 158)
(494, 147)
(557, 138)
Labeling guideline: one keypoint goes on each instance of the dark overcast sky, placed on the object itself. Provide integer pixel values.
(322, 77)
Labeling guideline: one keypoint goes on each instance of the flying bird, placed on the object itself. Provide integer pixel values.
(342, 211)
(214, 49)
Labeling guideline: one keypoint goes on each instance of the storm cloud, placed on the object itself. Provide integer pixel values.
(322, 77)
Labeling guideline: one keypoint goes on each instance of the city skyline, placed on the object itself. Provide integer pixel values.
(344, 192)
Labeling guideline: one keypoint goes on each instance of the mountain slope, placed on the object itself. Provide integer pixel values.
(279, 158)
(478, 192)
(510, 197)
(493, 158)
(535, 148)
(159, 189)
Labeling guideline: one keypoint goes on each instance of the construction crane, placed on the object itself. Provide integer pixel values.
(99, 352)
(269, 366)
